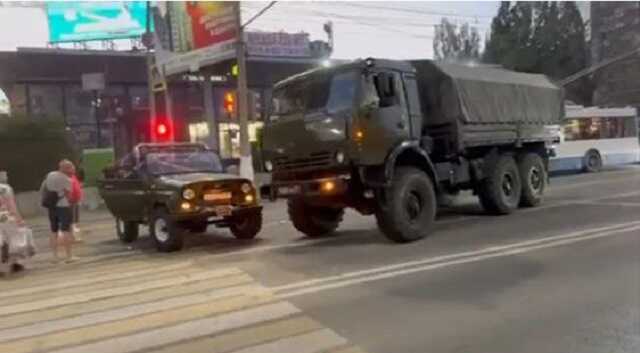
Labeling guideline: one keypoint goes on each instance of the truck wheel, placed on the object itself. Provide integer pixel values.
(592, 161)
(247, 226)
(533, 176)
(313, 221)
(127, 231)
(501, 189)
(408, 209)
(167, 235)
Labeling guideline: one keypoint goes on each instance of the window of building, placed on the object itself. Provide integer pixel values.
(79, 105)
(229, 137)
(46, 101)
(139, 96)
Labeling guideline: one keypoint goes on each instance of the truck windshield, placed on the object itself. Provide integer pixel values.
(162, 163)
(331, 92)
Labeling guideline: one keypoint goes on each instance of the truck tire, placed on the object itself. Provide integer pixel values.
(313, 221)
(408, 209)
(533, 177)
(592, 161)
(167, 234)
(247, 226)
(127, 231)
(500, 191)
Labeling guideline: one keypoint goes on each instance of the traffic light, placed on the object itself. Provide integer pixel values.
(161, 130)
(229, 103)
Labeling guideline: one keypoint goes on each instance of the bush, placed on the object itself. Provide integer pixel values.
(30, 149)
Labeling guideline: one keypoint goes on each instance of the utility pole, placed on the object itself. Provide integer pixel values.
(246, 160)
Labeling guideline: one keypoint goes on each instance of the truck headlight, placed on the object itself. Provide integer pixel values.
(188, 194)
(268, 166)
(340, 157)
(246, 188)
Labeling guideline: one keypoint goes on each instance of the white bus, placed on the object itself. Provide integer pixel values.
(591, 138)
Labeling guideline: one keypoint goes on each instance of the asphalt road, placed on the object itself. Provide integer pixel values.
(563, 277)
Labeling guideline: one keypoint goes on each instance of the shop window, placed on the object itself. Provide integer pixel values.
(79, 105)
(139, 96)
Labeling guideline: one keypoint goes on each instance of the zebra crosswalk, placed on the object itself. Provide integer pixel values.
(164, 305)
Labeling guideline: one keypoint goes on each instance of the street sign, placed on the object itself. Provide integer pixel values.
(93, 81)
(278, 44)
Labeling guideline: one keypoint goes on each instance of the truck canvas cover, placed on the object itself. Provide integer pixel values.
(485, 104)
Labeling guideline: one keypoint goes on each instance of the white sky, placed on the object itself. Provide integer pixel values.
(381, 29)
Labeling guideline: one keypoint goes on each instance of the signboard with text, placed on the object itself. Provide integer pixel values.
(278, 44)
(85, 21)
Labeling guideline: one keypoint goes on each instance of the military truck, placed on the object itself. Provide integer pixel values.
(387, 138)
(175, 188)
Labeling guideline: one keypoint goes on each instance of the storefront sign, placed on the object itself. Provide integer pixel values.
(93, 81)
(278, 44)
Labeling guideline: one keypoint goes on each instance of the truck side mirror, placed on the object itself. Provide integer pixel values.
(385, 84)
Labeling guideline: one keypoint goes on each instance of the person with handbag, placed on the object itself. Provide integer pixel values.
(56, 192)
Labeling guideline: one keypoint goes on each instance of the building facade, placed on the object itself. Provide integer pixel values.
(615, 30)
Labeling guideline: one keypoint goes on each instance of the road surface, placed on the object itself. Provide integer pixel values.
(563, 277)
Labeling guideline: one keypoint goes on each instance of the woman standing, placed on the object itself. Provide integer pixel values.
(75, 199)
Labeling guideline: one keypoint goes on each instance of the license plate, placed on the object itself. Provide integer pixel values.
(289, 190)
(223, 211)
(217, 196)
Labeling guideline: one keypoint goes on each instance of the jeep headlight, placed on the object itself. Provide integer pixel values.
(188, 194)
(246, 188)
(340, 157)
(268, 166)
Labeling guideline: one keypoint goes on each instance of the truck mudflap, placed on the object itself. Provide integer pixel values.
(330, 186)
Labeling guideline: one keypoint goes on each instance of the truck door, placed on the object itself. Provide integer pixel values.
(387, 124)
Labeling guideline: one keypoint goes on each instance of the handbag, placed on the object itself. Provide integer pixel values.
(49, 198)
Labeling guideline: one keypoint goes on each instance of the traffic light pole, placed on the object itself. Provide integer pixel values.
(246, 161)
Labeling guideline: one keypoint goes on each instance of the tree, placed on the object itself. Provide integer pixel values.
(453, 44)
(541, 37)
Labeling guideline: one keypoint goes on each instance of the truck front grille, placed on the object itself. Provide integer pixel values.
(314, 160)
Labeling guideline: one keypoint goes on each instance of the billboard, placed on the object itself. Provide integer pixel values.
(85, 21)
(201, 33)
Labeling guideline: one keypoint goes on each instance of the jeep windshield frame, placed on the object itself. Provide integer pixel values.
(160, 163)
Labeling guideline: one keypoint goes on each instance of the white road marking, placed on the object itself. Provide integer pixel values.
(613, 203)
(317, 341)
(185, 331)
(353, 278)
(94, 318)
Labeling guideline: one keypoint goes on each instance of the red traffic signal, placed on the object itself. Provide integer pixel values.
(229, 103)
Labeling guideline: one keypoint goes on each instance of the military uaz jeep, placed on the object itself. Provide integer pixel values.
(176, 188)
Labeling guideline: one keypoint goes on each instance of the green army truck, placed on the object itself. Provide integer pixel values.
(388, 138)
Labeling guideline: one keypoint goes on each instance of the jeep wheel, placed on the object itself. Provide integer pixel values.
(500, 191)
(127, 231)
(407, 209)
(167, 235)
(313, 221)
(533, 177)
(247, 226)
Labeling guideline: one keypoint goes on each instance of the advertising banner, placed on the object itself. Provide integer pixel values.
(202, 33)
(278, 44)
(85, 21)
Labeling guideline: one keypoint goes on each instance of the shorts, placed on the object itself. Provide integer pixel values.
(60, 219)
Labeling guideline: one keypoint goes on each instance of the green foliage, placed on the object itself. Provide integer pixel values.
(30, 149)
(93, 162)
(453, 44)
(541, 37)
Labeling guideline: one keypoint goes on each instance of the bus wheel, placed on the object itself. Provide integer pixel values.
(592, 161)
(533, 177)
